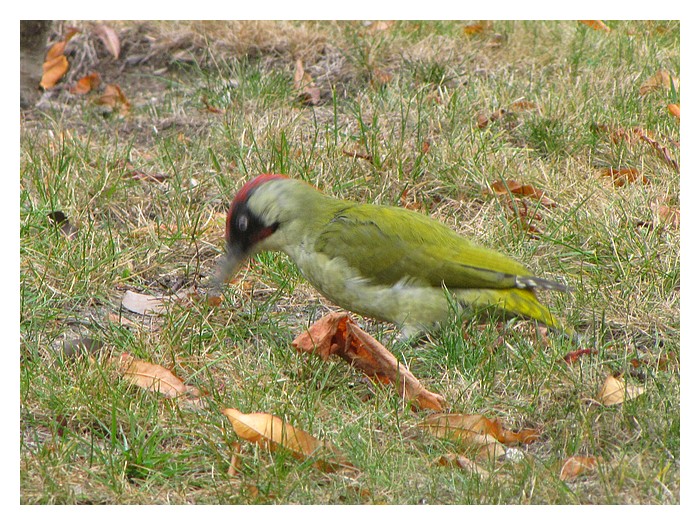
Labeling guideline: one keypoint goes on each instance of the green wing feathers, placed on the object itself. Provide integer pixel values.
(392, 244)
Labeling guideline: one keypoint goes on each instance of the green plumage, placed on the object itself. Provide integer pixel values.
(391, 263)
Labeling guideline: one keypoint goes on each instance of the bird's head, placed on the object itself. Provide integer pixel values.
(259, 218)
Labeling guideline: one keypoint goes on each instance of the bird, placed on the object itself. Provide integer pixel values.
(384, 262)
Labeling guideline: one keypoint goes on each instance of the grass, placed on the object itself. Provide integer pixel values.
(408, 97)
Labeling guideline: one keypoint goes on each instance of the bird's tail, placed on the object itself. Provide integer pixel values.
(515, 301)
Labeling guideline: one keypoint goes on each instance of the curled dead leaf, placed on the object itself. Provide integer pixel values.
(337, 334)
(615, 391)
(270, 431)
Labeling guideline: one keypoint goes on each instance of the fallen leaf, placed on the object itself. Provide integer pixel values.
(477, 28)
(148, 177)
(109, 38)
(576, 465)
(637, 134)
(304, 84)
(380, 25)
(114, 98)
(667, 215)
(477, 431)
(56, 50)
(380, 77)
(58, 218)
(143, 304)
(675, 110)
(574, 356)
(234, 468)
(270, 431)
(210, 108)
(660, 80)
(156, 378)
(86, 84)
(598, 25)
(355, 154)
(337, 334)
(615, 391)
(53, 71)
(449, 460)
(623, 176)
(511, 187)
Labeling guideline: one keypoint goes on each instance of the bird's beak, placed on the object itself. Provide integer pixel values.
(229, 264)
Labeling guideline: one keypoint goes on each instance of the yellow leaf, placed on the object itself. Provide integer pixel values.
(615, 391)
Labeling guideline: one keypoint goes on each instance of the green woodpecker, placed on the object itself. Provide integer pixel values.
(384, 262)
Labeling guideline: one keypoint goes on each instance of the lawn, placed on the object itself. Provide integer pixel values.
(555, 142)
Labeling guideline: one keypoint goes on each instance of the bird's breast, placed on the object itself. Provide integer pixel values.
(407, 303)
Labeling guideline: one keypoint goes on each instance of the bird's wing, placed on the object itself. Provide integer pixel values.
(389, 245)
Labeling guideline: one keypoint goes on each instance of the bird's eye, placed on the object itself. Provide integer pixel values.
(242, 223)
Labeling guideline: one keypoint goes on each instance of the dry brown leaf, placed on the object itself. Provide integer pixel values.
(86, 84)
(675, 110)
(667, 215)
(270, 431)
(380, 25)
(209, 107)
(54, 69)
(576, 465)
(637, 134)
(55, 51)
(356, 154)
(109, 38)
(462, 462)
(337, 334)
(143, 304)
(304, 84)
(615, 391)
(598, 25)
(114, 98)
(660, 80)
(511, 187)
(476, 431)
(574, 356)
(477, 28)
(623, 176)
(156, 378)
